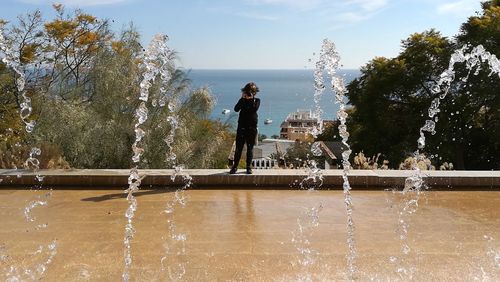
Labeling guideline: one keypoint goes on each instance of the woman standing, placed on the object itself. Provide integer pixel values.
(247, 125)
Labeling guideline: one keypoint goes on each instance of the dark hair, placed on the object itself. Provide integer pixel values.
(250, 88)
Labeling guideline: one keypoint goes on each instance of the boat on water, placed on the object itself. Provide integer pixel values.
(268, 121)
(226, 111)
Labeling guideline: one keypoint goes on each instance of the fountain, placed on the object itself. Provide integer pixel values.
(330, 61)
(156, 61)
(415, 184)
(17, 273)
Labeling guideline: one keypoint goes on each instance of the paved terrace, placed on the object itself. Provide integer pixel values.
(284, 178)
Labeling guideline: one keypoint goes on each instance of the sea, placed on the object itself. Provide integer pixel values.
(281, 92)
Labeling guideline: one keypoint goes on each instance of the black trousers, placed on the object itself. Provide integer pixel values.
(244, 135)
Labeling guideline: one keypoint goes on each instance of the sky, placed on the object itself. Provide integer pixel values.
(269, 34)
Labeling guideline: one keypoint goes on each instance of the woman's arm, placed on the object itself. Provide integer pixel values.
(238, 105)
(257, 104)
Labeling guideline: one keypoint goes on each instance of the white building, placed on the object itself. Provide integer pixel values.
(298, 125)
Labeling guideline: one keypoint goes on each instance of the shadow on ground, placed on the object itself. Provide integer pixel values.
(114, 196)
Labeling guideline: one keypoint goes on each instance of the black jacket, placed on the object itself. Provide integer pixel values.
(248, 115)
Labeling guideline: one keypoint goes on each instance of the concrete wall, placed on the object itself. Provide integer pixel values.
(261, 179)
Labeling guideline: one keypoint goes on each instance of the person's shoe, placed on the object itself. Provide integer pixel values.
(233, 170)
(249, 170)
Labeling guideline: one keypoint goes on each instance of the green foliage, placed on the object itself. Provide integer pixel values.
(484, 28)
(331, 131)
(97, 133)
(85, 100)
(392, 96)
(198, 143)
(299, 154)
(12, 134)
(478, 125)
(15, 143)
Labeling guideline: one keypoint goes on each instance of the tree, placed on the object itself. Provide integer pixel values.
(12, 131)
(84, 83)
(57, 55)
(298, 154)
(484, 28)
(74, 42)
(480, 144)
(331, 131)
(392, 95)
(99, 132)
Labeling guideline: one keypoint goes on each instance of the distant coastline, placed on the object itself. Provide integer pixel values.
(282, 91)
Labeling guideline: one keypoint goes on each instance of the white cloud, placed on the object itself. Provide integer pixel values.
(366, 5)
(341, 11)
(293, 4)
(79, 3)
(369, 5)
(459, 8)
(359, 10)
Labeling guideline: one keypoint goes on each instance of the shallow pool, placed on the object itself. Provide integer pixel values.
(251, 235)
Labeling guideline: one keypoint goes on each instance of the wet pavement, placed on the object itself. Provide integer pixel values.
(250, 235)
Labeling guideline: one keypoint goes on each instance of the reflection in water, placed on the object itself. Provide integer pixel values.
(244, 220)
(244, 213)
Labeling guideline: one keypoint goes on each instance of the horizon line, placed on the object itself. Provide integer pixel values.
(262, 69)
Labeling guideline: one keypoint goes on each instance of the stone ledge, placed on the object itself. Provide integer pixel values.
(219, 178)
